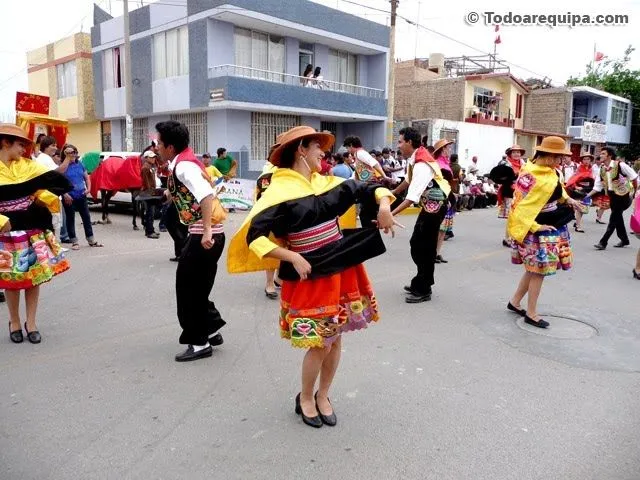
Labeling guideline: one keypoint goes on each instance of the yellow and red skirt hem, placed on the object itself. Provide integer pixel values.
(314, 313)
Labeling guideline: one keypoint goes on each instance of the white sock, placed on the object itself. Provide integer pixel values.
(197, 348)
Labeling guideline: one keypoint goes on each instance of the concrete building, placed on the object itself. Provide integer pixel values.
(588, 117)
(480, 111)
(231, 71)
(62, 71)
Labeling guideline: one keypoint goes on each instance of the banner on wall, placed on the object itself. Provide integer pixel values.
(32, 103)
(238, 193)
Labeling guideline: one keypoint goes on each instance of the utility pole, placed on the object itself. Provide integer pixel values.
(392, 73)
(128, 84)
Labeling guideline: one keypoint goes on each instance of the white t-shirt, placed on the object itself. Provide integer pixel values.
(47, 161)
(191, 175)
(366, 158)
(625, 171)
(421, 176)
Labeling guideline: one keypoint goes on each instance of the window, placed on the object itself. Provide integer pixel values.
(487, 101)
(197, 125)
(619, 113)
(105, 128)
(67, 79)
(265, 127)
(259, 51)
(519, 105)
(113, 67)
(342, 67)
(140, 134)
(171, 53)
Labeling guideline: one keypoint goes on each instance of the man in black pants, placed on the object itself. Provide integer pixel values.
(196, 205)
(428, 188)
(615, 179)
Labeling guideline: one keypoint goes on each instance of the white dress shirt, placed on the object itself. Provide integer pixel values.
(625, 171)
(421, 177)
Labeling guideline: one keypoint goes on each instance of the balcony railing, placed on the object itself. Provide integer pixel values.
(296, 80)
(579, 120)
(486, 117)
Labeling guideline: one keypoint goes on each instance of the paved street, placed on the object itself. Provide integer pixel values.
(448, 390)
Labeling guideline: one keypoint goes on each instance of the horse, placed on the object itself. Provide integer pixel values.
(117, 174)
(105, 198)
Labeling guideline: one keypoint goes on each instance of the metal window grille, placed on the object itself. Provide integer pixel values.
(265, 127)
(140, 134)
(123, 135)
(105, 127)
(450, 135)
(196, 123)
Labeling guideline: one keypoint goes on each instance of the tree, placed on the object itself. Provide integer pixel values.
(614, 76)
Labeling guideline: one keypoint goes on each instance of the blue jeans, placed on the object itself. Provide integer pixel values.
(64, 235)
(81, 206)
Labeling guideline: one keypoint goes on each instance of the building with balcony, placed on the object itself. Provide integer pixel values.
(470, 100)
(231, 70)
(588, 117)
(62, 71)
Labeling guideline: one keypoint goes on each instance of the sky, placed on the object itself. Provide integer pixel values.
(533, 50)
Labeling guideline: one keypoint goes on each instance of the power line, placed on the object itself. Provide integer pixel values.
(419, 25)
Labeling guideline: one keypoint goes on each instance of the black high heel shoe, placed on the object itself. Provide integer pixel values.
(16, 336)
(314, 422)
(636, 275)
(329, 420)
(33, 337)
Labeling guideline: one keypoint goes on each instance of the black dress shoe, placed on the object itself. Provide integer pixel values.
(154, 235)
(505, 243)
(540, 323)
(520, 311)
(599, 246)
(271, 295)
(314, 422)
(418, 297)
(408, 289)
(439, 259)
(330, 420)
(600, 222)
(2, 297)
(621, 244)
(16, 336)
(636, 275)
(174, 259)
(190, 354)
(33, 337)
(216, 340)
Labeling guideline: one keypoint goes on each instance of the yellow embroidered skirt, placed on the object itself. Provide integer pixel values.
(315, 312)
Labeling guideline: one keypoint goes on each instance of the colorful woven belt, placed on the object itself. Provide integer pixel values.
(314, 238)
(16, 205)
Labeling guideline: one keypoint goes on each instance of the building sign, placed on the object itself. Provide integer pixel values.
(594, 132)
(238, 193)
(31, 103)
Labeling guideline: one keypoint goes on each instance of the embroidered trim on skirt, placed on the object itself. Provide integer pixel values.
(314, 313)
(447, 222)
(602, 201)
(504, 209)
(29, 258)
(544, 252)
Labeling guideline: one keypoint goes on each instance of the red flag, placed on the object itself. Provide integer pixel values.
(599, 56)
(497, 41)
(497, 29)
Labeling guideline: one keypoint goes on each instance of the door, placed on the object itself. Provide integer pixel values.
(306, 58)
